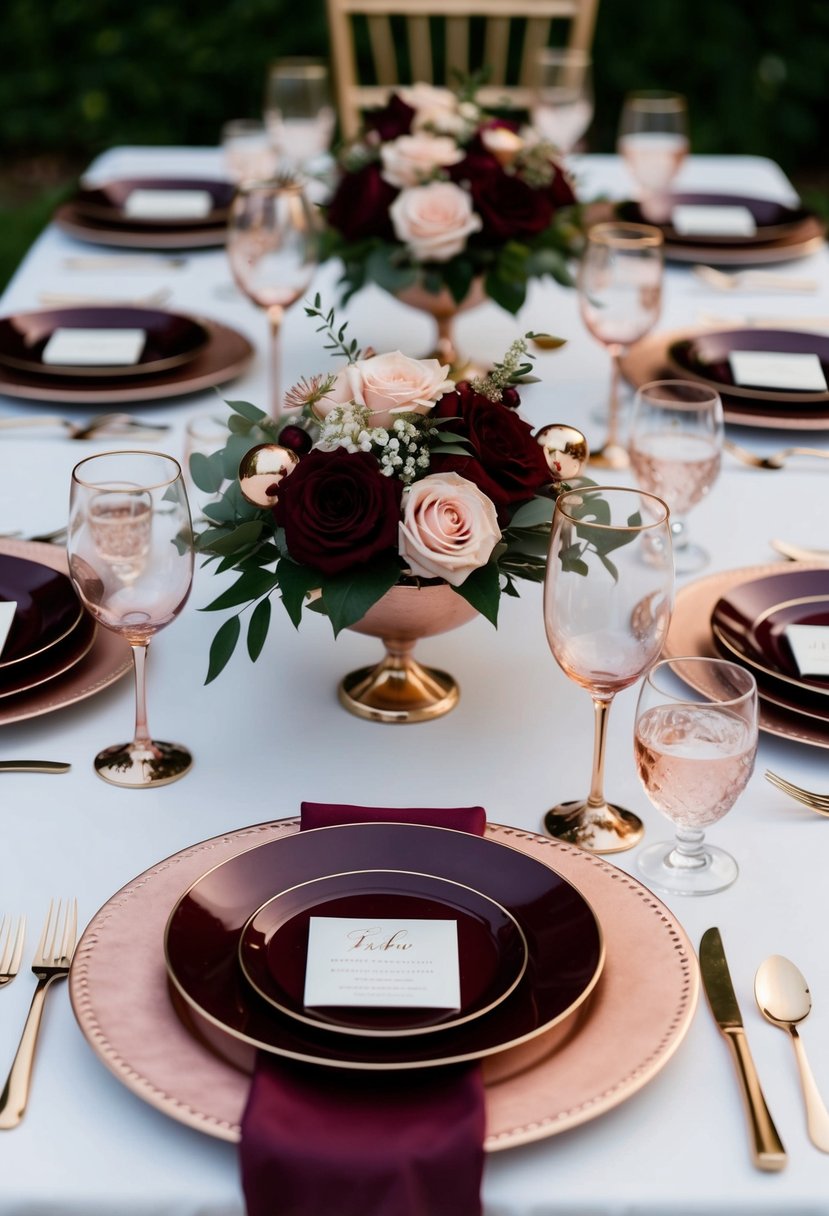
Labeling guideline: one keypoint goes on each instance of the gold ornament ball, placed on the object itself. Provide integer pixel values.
(565, 450)
(262, 470)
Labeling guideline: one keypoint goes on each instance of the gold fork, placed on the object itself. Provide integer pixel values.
(11, 948)
(51, 962)
(777, 460)
(815, 802)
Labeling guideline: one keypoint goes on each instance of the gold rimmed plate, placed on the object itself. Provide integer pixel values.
(47, 610)
(109, 203)
(565, 949)
(492, 949)
(773, 221)
(52, 664)
(705, 357)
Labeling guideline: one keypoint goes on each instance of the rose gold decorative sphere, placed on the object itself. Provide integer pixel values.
(565, 450)
(261, 471)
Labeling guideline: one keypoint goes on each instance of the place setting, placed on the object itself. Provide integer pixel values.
(149, 213)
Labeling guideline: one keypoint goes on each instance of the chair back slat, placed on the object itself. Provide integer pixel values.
(382, 49)
(420, 48)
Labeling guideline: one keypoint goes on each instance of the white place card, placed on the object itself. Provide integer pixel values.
(95, 347)
(776, 369)
(692, 219)
(7, 611)
(398, 964)
(168, 204)
(810, 647)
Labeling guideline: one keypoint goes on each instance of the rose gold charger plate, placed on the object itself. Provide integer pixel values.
(225, 354)
(107, 660)
(691, 634)
(650, 359)
(638, 1016)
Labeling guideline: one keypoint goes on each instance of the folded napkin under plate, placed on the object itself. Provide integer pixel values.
(635, 1020)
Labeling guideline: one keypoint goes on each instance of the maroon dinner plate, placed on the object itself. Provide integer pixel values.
(47, 609)
(171, 341)
(565, 950)
(773, 221)
(106, 203)
(750, 621)
(492, 950)
(705, 357)
(50, 664)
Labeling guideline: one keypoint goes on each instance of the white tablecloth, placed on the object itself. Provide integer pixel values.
(266, 736)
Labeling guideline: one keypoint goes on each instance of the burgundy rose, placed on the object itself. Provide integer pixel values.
(505, 461)
(392, 120)
(509, 208)
(338, 510)
(360, 206)
(561, 190)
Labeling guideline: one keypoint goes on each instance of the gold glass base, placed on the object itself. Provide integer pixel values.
(139, 766)
(599, 829)
(398, 689)
(611, 456)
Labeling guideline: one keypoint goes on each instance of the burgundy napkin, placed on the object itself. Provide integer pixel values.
(320, 1141)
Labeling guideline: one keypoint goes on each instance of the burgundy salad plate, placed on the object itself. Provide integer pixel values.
(492, 950)
(773, 221)
(47, 609)
(108, 203)
(705, 357)
(171, 340)
(50, 664)
(564, 945)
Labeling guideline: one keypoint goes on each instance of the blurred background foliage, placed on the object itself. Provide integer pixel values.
(82, 75)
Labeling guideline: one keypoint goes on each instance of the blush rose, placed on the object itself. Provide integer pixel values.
(413, 159)
(388, 385)
(449, 528)
(434, 221)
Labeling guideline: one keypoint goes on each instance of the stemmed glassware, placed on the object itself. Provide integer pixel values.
(272, 244)
(695, 741)
(562, 106)
(653, 141)
(619, 289)
(606, 614)
(675, 449)
(299, 113)
(131, 562)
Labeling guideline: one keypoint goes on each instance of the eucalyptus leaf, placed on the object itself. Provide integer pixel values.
(258, 626)
(536, 511)
(222, 647)
(348, 597)
(246, 534)
(247, 410)
(482, 589)
(251, 585)
(295, 582)
(207, 471)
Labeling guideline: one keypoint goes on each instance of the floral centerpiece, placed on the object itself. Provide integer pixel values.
(383, 474)
(439, 193)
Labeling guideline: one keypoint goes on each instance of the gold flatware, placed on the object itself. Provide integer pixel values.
(51, 962)
(33, 766)
(815, 802)
(59, 299)
(777, 460)
(122, 262)
(117, 424)
(783, 997)
(766, 1146)
(800, 553)
(767, 321)
(751, 280)
(12, 936)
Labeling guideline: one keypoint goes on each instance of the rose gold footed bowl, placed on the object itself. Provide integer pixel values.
(444, 308)
(399, 689)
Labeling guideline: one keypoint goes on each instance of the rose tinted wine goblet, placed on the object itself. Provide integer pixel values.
(131, 561)
(606, 615)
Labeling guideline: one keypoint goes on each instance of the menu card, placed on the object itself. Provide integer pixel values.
(7, 611)
(712, 220)
(810, 647)
(168, 204)
(777, 369)
(95, 347)
(409, 964)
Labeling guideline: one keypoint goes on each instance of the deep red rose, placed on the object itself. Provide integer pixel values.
(561, 189)
(505, 460)
(509, 208)
(392, 120)
(360, 206)
(338, 510)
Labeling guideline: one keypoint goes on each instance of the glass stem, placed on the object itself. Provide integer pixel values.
(142, 730)
(276, 315)
(679, 532)
(613, 402)
(689, 852)
(601, 708)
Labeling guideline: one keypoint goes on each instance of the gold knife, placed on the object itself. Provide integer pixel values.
(766, 1146)
(33, 766)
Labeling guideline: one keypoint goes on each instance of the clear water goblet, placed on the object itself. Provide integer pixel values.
(619, 288)
(130, 552)
(695, 741)
(653, 142)
(562, 105)
(272, 245)
(247, 150)
(299, 112)
(675, 448)
(606, 615)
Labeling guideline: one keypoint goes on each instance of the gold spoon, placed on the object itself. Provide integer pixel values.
(784, 1000)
